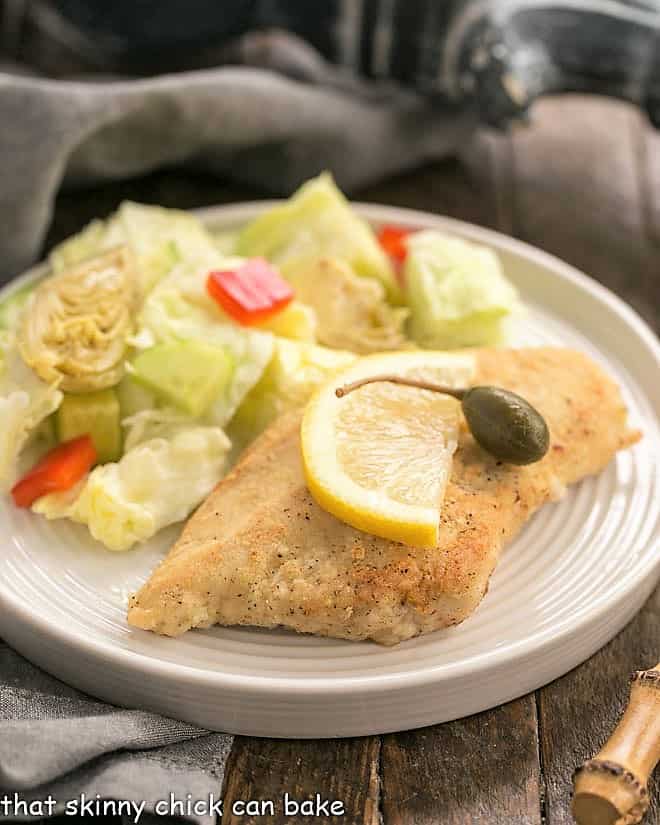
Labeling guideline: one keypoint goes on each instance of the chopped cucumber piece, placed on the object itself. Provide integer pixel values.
(133, 397)
(456, 291)
(318, 222)
(189, 374)
(45, 435)
(93, 413)
(295, 370)
(12, 306)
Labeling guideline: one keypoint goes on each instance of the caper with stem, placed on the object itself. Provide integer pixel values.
(502, 422)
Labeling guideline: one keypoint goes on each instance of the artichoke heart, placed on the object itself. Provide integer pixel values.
(76, 323)
(352, 312)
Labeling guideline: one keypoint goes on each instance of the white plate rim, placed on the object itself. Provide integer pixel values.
(513, 654)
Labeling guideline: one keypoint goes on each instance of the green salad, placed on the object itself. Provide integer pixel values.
(132, 375)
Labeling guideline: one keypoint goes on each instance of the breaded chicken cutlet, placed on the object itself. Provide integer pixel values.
(260, 551)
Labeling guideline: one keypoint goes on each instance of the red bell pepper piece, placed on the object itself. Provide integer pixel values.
(393, 241)
(251, 293)
(58, 470)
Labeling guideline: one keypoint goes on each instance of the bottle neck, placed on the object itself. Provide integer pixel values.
(500, 55)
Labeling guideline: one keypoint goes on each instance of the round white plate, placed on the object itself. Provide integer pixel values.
(576, 574)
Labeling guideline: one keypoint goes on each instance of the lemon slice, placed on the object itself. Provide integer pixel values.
(380, 457)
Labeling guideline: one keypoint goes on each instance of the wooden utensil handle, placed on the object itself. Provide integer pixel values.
(611, 788)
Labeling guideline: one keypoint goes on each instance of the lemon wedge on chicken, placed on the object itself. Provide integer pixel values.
(379, 458)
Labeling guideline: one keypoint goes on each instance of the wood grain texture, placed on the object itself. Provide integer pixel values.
(337, 769)
(578, 713)
(479, 770)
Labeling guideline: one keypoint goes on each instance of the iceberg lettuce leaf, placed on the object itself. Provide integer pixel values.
(11, 306)
(157, 237)
(79, 247)
(318, 222)
(456, 291)
(158, 482)
(179, 309)
(295, 370)
(25, 402)
(161, 422)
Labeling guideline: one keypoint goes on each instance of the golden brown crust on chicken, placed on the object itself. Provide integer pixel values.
(260, 551)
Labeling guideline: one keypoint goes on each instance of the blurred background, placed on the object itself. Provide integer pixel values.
(575, 173)
(147, 36)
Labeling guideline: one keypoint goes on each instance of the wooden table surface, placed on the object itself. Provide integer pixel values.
(583, 182)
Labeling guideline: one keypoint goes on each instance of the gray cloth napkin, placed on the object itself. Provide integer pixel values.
(273, 123)
(57, 743)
